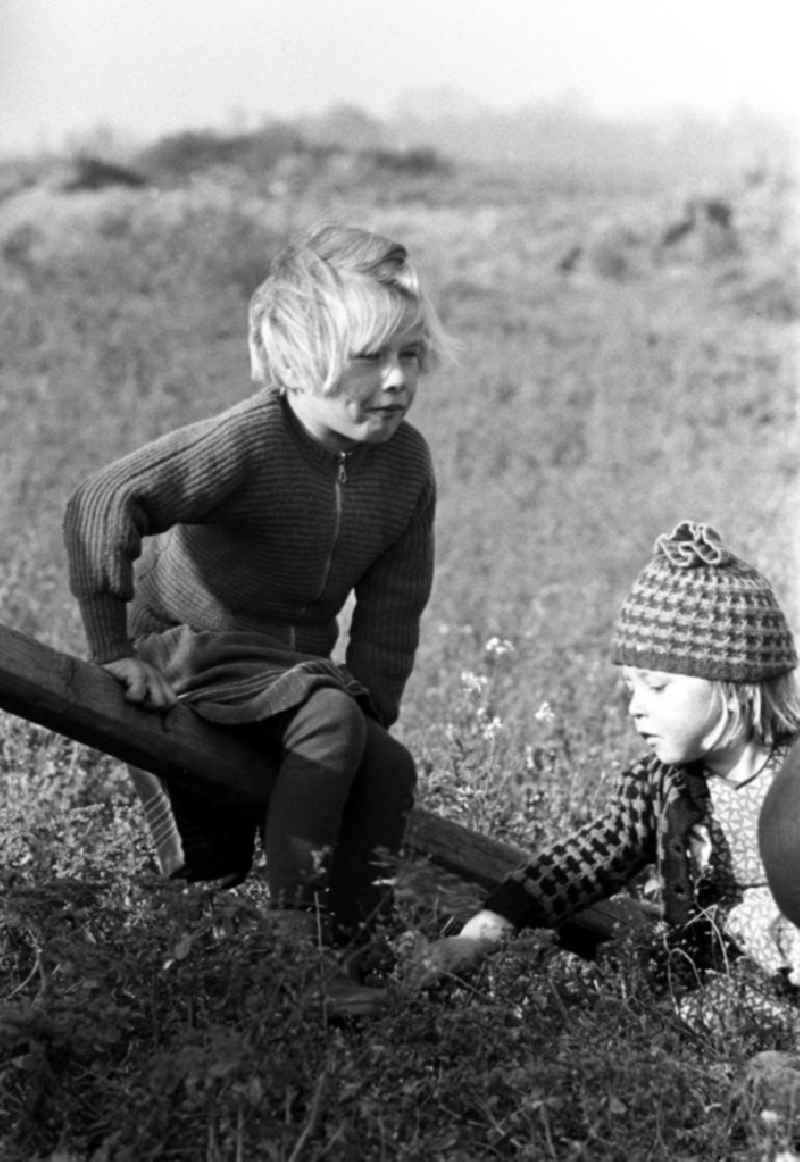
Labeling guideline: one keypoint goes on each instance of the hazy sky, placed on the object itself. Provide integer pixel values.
(153, 66)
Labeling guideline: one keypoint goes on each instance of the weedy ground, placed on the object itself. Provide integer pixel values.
(588, 410)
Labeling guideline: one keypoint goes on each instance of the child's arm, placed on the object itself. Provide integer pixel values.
(390, 598)
(588, 866)
(180, 477)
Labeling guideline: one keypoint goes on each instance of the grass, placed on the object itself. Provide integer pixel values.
(588, 412)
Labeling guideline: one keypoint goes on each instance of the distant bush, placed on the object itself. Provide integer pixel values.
(181, 154)
(94, 173)
(421, 161)
(178, 156)
(17, 175)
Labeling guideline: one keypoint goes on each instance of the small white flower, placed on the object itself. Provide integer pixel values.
(499, 647)
(545, 713)
(491, 728)
(473, 683)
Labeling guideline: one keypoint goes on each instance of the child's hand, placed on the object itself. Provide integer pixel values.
(143, 683)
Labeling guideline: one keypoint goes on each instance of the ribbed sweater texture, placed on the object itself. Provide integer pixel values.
(245, 522)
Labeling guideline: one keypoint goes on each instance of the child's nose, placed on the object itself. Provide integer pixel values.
(634, 704)
(394, 375)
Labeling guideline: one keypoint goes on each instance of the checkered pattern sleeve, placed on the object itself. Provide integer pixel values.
(592, 863)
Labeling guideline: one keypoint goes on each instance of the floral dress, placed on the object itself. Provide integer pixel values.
(724, 849)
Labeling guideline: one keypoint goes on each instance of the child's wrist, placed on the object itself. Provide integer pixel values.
(486, 925)
(105, 621)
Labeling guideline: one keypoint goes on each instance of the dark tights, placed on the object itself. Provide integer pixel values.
(340, 799)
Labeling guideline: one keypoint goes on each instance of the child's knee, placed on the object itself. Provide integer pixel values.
(339, 711)
(329, 722)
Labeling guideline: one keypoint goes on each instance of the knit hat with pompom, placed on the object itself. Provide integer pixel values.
(697, 609)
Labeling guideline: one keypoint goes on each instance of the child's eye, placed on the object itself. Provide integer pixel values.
(409, 353)
(369, 356)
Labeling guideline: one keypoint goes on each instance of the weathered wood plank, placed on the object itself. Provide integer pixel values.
(83, 702)
(468, 854)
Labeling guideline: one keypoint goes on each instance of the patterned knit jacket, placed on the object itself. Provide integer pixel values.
(648, 822)
(251, 524)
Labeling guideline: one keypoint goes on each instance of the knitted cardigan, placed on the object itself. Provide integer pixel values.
(245, 522)
(648, 822)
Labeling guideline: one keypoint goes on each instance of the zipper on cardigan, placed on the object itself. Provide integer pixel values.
(341, 478)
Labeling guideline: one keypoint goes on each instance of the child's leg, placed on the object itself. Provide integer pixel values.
(372, 827)
(161, 822)
(196, 838)
(323, 744)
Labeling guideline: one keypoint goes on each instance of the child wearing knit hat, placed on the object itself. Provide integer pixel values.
(211, 566)
(707, 657)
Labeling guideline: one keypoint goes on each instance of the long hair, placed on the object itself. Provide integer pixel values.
(767, 712)
(332, 294)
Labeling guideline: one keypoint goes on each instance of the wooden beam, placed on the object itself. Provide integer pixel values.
(468, 854)
(84, 702)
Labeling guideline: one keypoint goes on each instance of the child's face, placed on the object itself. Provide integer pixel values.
(373, 395)
(678, 716)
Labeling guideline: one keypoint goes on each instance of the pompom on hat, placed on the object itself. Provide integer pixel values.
(697, 609)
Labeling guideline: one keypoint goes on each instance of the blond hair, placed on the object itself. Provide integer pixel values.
(767, 712)
(332, 294)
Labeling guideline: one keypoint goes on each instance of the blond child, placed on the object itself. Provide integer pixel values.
(707, 657)
(211, 564)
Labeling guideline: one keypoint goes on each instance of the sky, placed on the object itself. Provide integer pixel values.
(147, 67)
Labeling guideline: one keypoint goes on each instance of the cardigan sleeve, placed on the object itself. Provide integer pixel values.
(180, 477)
(589, 865)
(390, 598)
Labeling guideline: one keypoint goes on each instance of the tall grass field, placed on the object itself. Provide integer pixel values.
(607, 384)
